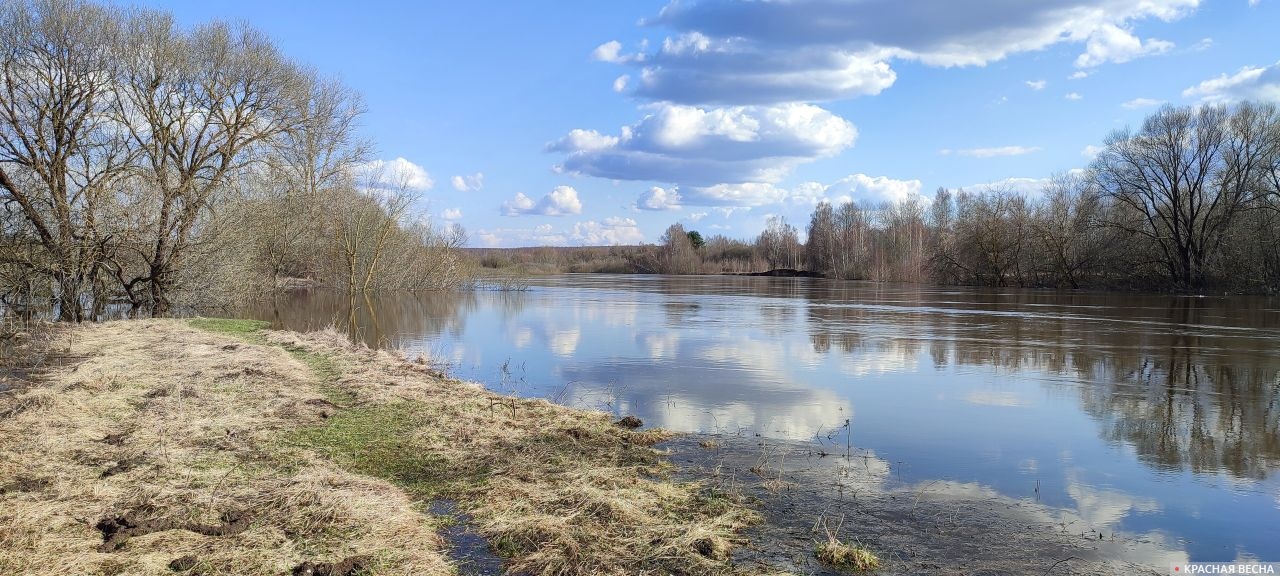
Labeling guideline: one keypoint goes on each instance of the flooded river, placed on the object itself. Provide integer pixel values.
(1147, 419)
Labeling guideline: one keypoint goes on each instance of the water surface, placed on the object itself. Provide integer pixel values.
(1147, 417)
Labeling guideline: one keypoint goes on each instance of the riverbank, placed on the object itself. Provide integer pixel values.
(213, 446)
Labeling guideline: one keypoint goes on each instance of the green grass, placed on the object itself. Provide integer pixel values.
(378, 440)
(249, 330)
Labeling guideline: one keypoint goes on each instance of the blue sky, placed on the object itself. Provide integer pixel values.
(577, 122)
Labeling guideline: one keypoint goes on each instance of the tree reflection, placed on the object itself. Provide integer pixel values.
(377, 321)
(1188, 383)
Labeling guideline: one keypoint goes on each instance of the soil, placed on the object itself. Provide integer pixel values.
(630, 422)
(117, 530)
(25, 484)
(352, 566)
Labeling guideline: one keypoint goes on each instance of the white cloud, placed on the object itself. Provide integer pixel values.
(611, 231)
(611, 51)
(658, 198)
(1091, 151)
(686, 144)
(727, 53)
(542, 235)
(1250, 83)
(1073, 96)
(620, 83)
(1202, 45)
(472, 183)
(394, 175)
(561, 201)
(1078, 75)
(1110, 43)
(873, 189)
(742, 194)
(451, 214)
(1036, 84)
(859, 187)
(991, 152)
(1141, 103)
(1030, 187)
(696, 216)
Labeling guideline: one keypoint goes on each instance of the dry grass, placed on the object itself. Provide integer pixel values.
(849, 557)
(242, 451)
(840, 555)
(556, 490)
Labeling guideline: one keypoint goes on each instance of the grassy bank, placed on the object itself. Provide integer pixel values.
(216, 447)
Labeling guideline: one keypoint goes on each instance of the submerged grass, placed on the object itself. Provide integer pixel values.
(215, 446)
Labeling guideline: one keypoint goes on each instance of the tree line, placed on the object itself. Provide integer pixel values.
(148, 166)
(1188, 201)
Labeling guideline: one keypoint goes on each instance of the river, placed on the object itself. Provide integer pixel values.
(1152, 418)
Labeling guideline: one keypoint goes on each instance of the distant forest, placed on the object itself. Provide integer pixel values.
(1189, 201)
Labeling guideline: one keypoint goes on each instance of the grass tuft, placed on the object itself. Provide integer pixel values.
(848, 557)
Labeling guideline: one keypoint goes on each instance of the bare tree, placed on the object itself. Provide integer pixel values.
(820, 249)
(1183, 177)
(59, 152)
(196, 105)
(677, 255)
(779, 243)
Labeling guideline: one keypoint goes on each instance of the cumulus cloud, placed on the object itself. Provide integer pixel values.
(1078, 75)
(858, 187)
(1073, 96)
(398, 174)
(658, 198)
(726, 52)
(451, 214)
(687, 144)
(611, 231)
(1250, 83)
(541, 235)
(1091, 151)
(561, 201)
(872, 189)
(991, 152)
(1036, 84)
(1141, 103)
(1110, 43)
(472, 183)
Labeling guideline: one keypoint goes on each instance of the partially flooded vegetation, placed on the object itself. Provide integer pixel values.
(211, 446)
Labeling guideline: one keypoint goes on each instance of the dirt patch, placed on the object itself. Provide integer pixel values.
(183, 563)
(24, 484)
(352, 566)
(117, 530)
(630, 422)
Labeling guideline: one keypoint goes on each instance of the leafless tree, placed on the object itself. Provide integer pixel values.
(1184, 176)
(60, 153)
(196, 106)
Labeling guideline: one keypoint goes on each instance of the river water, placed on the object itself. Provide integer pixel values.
(1150, 418)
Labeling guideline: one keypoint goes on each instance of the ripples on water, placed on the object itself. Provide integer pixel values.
(1156, 417)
